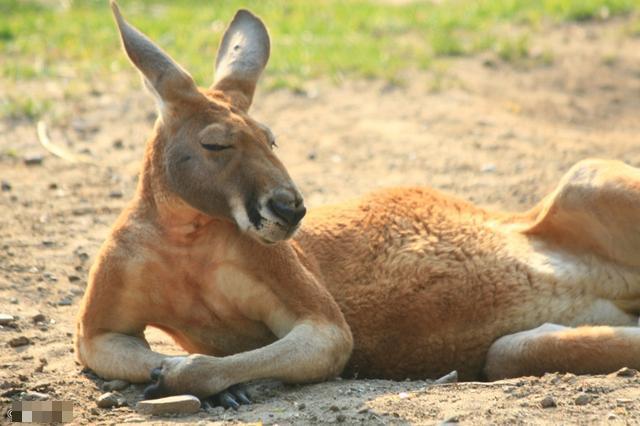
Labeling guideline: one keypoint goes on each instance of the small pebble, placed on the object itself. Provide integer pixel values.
(627, 372)
(83, 256)
(488, 168)
(6, 186)
(181, 404)
(108, 400)
(19, 341)
(118, 144)
(115, 194)
(39, 318)
(6, 319)
(334, 408)
(583, 399)
(65, 301)
(50, 276)
(13, 301)
(35, 396)
(114, 385)
(453, 420)
(548, 402)
(11, 391)
(33, 160)
(341, 418)
(40, 367)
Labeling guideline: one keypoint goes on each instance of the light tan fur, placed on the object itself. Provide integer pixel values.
(403, 283)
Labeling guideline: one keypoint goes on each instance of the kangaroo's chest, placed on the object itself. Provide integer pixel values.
(219, 338)
(200, 303)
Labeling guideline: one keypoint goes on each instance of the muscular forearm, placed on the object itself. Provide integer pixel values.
(309, 352)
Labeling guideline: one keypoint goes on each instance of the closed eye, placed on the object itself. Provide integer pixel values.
(215, 146)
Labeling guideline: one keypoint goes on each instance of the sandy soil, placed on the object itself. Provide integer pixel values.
(496, 133)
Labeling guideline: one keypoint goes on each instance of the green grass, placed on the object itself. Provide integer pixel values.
(633, 28)
(311, 39)
(514, 49)
(27, 107)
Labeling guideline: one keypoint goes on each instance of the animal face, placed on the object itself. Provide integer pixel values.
(221, 162)
(215, 156)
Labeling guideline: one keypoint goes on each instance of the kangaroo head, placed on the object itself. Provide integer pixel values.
(215, 157)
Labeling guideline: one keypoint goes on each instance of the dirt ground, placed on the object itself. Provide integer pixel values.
(497, 133)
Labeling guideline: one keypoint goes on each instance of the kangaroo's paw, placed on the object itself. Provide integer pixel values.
(198, 375)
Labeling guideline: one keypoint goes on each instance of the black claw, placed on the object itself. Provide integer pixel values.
(156, 389)
(227, 400)
(155, 374)
(241, 395)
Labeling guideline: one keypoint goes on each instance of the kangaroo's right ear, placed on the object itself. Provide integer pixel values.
(162, 75)
(242, 55)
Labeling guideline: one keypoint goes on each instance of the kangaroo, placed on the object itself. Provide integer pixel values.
(402, 283)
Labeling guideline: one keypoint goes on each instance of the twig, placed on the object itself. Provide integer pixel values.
(57, 150)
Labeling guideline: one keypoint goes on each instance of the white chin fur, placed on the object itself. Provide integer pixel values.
(270, 231)
(240, 215)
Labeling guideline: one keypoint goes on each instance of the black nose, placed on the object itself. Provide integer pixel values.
(288, 207)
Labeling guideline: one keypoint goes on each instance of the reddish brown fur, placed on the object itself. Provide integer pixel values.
(425, 283)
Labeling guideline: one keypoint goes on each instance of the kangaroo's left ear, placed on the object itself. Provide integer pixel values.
(242, 55)
(162, 75)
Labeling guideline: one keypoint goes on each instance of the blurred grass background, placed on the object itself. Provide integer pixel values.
(76, 40)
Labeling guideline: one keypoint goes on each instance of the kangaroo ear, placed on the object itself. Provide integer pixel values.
(242, 55)
(162, 75)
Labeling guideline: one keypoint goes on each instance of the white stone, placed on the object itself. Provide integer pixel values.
(5, 319)
(181, 404)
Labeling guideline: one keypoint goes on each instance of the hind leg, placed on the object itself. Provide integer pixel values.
(594, 209)
(555, 348)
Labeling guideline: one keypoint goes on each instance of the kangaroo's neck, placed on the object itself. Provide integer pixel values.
(152, 183)
(174, 218)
